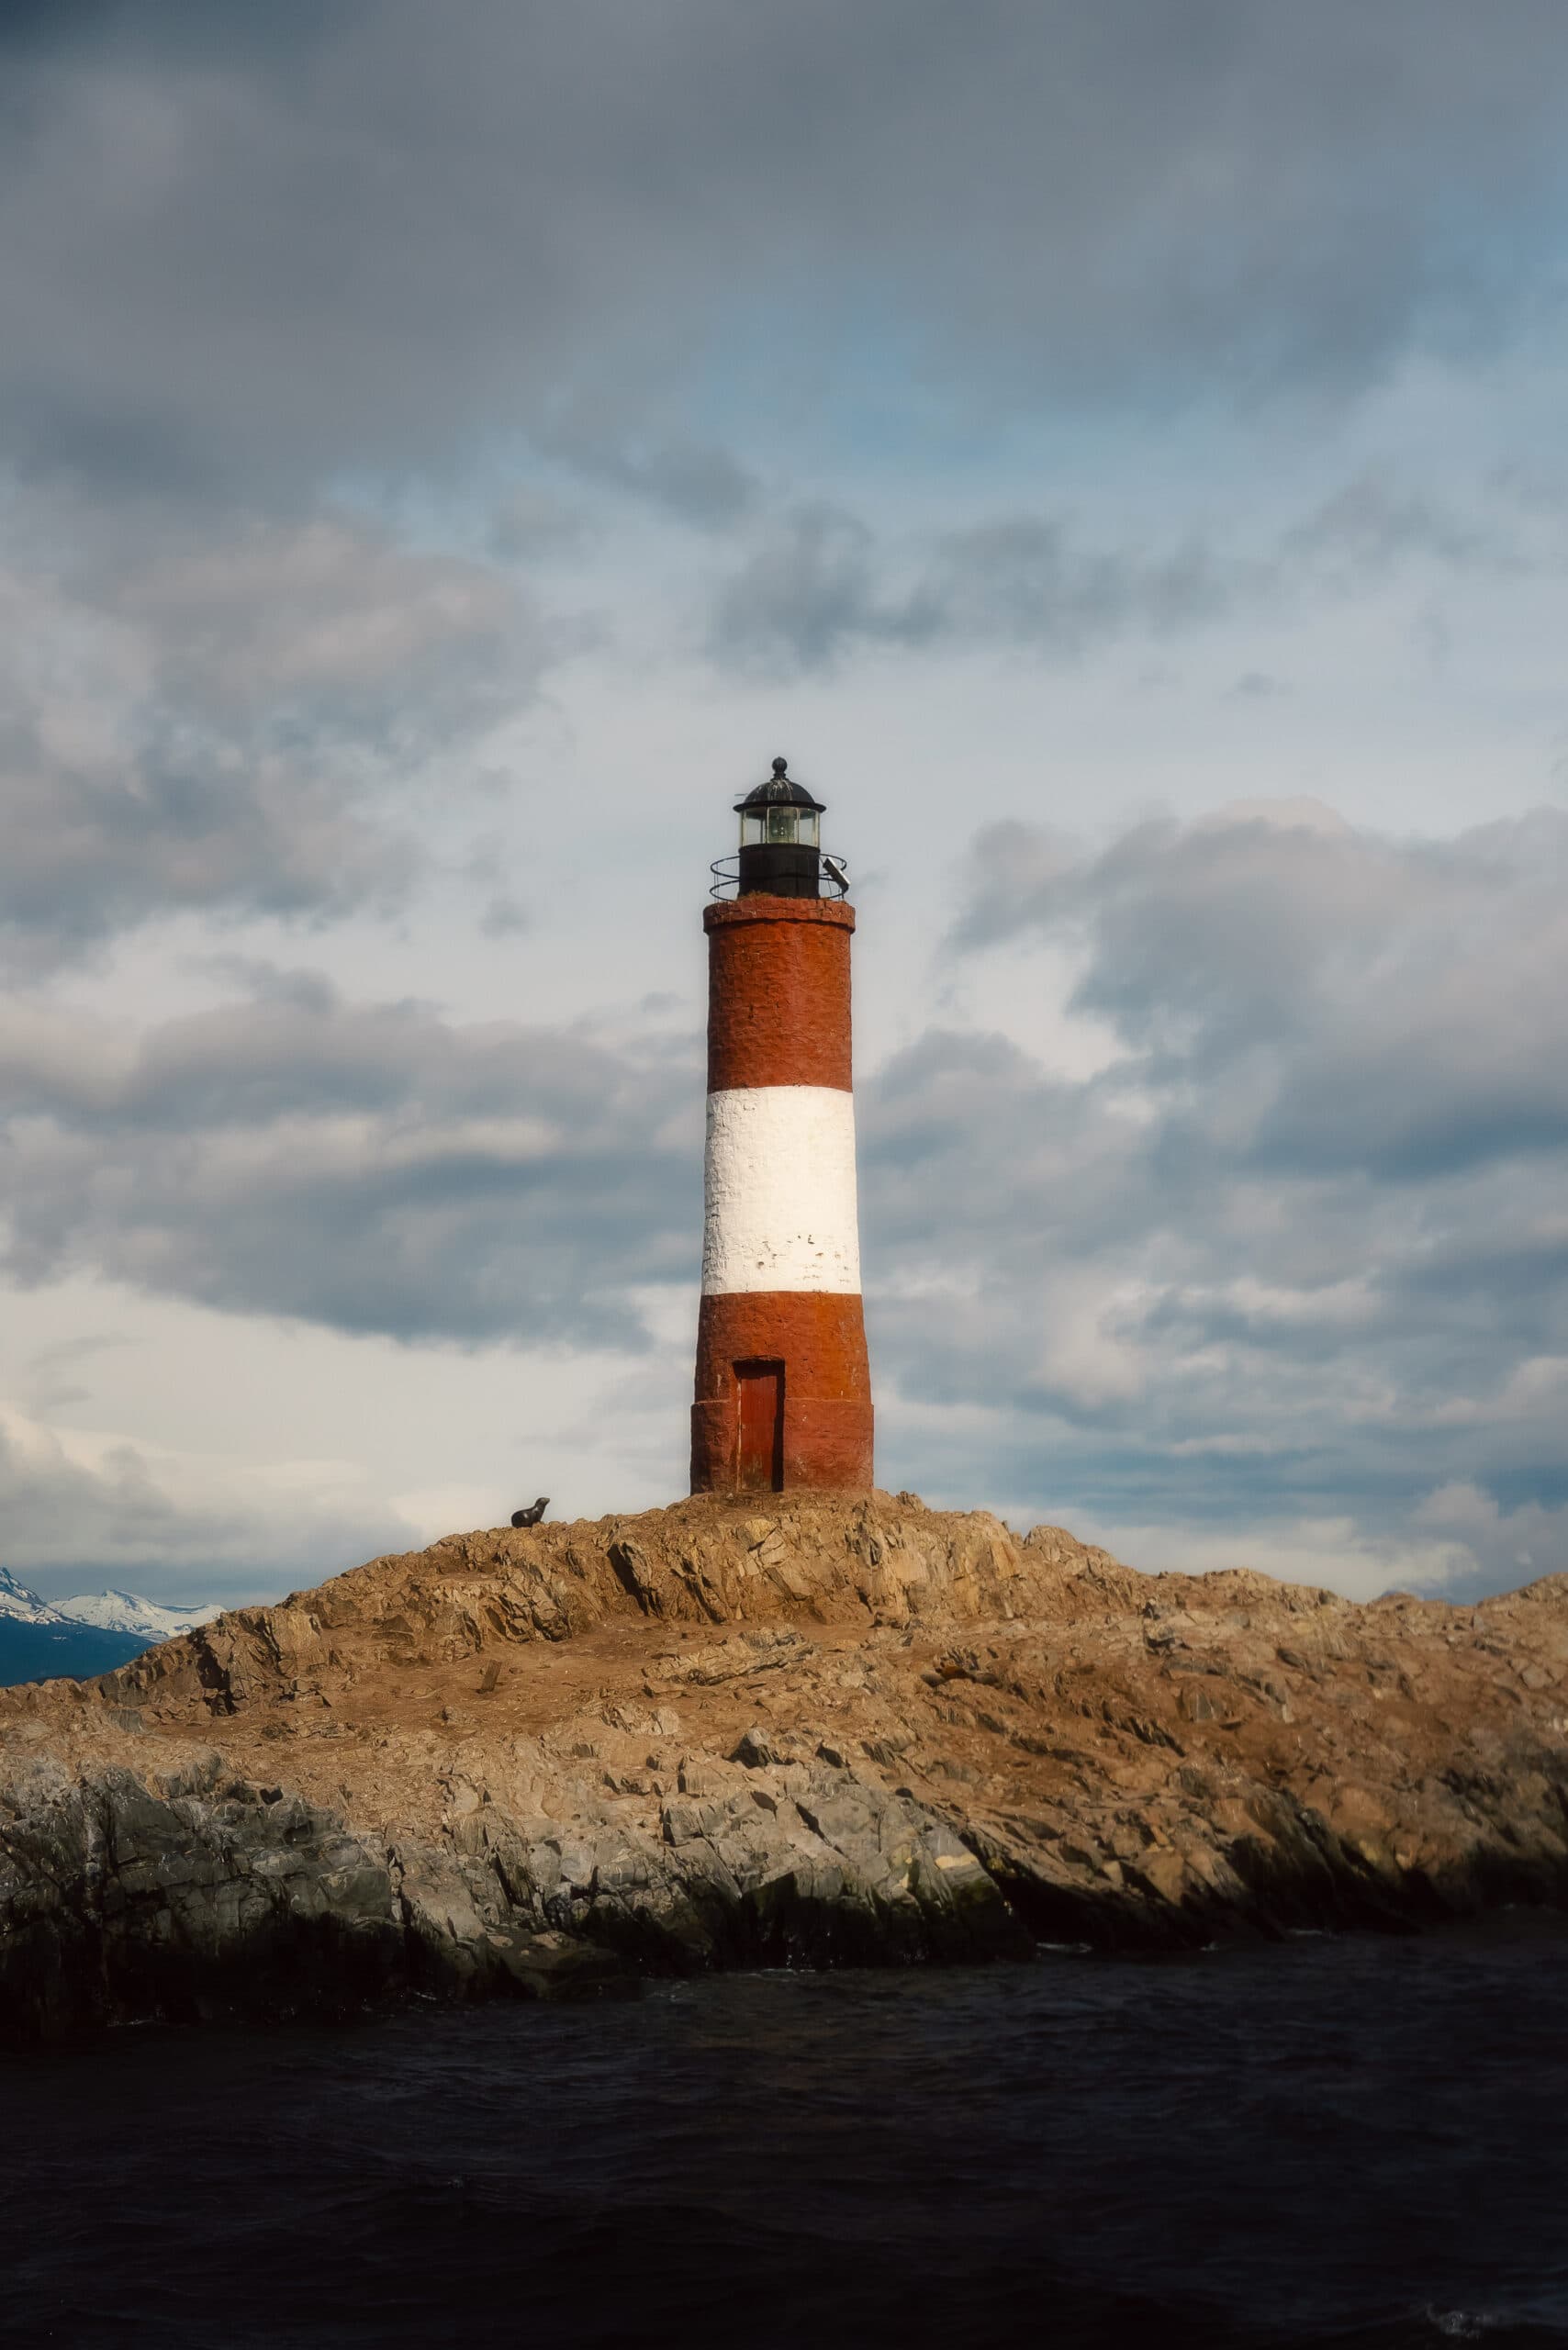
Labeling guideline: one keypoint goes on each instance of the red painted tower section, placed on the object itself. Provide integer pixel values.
(783, 1390)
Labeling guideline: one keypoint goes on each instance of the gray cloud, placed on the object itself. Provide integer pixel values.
(80, 1517)
(368, 1167)
(1298, 1250)
(1407, 987)
(819, 587)
(510, 216)
(810, 593)
(223, 720)
(698, 483)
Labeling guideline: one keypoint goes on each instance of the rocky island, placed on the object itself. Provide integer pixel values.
(814, 1730)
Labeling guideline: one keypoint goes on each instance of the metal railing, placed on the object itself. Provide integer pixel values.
(832, 871)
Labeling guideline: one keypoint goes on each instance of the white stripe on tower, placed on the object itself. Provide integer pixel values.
(780, 1185)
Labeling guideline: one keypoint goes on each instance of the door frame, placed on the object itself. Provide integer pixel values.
(749, 1370)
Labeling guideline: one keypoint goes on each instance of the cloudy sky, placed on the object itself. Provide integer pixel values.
(1116, 450)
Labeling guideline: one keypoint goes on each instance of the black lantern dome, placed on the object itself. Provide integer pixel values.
(780, 790)
(780, 838)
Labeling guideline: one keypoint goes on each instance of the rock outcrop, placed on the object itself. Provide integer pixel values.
(824, 1729)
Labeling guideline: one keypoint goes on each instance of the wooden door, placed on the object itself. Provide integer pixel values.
(759, 1466)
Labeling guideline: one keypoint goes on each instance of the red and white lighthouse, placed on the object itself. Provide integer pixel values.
(783, 1387)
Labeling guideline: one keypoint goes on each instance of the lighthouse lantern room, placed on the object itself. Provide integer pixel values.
(780, 852)
(783, 1393)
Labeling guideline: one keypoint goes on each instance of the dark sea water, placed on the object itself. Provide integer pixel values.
(1334, 2141)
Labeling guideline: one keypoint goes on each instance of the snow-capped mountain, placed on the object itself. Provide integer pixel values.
(122, 1611)
(39, 1642)
(106, 1611)
(40, 1639)
(25, 1607)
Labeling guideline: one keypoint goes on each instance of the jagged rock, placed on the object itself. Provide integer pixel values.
(901, 1734)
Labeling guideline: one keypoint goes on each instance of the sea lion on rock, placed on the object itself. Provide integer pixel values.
(531, 1516)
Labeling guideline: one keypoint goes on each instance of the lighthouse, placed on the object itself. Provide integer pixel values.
(783, 1397)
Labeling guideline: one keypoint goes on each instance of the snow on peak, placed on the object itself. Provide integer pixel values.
(124, 1611)
(106, 1611)
(25, 1607)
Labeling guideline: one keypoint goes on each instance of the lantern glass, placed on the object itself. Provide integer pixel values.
(779, 827)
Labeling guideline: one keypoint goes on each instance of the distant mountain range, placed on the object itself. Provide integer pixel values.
(42, 1638)
(122, 1611)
